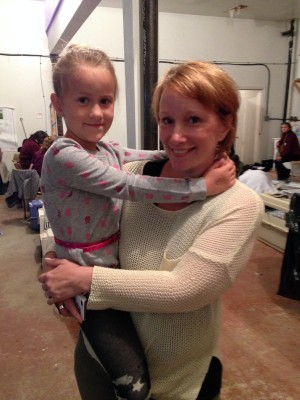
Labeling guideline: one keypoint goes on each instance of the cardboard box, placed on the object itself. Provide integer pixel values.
(47, 239)
(273, 230)
(273, 235)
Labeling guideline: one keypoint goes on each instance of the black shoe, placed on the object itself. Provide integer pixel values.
(12, 200)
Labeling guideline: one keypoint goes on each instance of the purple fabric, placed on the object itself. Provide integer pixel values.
(37, 161)
(27, 151)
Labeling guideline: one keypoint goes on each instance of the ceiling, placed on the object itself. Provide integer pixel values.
(267, 10)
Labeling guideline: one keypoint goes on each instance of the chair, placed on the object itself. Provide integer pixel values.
(31, 187)
(16, 161)
(24, 184)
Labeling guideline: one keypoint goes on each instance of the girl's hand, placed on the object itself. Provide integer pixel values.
(65, 280)
(45, 265)
(220, 176)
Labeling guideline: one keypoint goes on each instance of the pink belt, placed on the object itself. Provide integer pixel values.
(87, 248)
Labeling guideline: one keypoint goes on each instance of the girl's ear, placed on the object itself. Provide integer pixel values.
(56, 104)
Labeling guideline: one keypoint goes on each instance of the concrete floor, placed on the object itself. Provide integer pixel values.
(260, 341)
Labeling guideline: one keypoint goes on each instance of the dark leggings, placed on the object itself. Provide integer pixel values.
(94, 383)
(114, 340)
(282, 172)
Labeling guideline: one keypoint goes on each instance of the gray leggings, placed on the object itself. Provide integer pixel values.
(93, 382)
(117, 345)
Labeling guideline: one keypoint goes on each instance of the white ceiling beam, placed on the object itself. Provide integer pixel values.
(68, 19)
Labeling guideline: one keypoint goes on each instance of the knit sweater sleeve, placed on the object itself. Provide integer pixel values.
(185, 283)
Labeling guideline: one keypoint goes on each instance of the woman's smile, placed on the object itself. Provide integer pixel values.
(181, 151)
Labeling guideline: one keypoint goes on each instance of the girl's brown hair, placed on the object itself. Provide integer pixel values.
(75, 56)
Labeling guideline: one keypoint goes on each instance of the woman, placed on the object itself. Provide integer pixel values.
(288, 150)
(30, 146)
(177, 260)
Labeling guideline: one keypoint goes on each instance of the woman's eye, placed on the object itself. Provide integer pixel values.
(194, 120)
(166, 121)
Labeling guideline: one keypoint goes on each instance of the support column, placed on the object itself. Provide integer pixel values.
(150, 70)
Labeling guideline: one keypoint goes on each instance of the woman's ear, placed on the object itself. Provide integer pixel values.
(227, 126)
(56, 104)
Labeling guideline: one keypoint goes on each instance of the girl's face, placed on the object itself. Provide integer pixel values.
(87, 105)
(190, 133)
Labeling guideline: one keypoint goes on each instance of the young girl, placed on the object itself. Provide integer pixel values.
(83, 188)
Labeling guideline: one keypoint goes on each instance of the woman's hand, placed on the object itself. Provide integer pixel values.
(68, 309)
(65, 280)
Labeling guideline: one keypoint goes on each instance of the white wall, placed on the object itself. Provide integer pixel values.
(25, 78)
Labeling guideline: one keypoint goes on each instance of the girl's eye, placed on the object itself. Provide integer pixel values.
(106, 101)
(83, 100)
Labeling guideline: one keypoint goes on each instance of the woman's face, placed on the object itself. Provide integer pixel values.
(285, 128)
(190, 133)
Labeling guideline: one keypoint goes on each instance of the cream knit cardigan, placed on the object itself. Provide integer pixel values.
(175, 268)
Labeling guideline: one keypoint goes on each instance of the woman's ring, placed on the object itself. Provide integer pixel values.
(61, 307)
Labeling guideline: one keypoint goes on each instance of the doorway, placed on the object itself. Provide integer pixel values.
(247, 143)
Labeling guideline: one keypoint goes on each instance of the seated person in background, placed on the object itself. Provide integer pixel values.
(288, 150)
(37, 159)
(19, 148)
(15, 191)
(29, 147)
